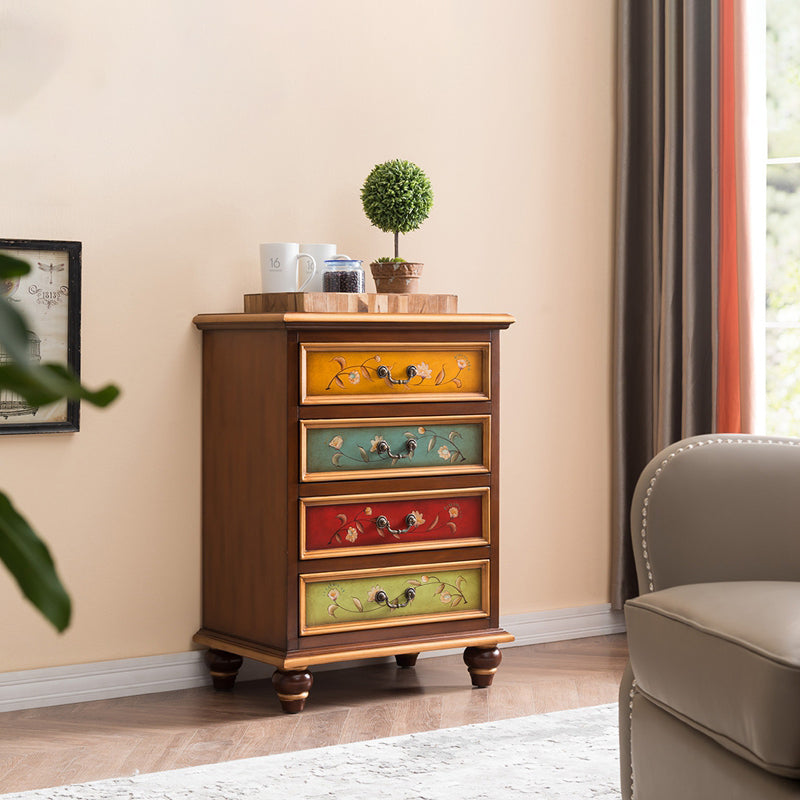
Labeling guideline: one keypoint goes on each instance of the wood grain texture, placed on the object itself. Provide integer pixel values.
(366, 303)
(47, 747)
(245, 506)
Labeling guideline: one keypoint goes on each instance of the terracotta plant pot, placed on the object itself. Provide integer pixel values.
(396, 278)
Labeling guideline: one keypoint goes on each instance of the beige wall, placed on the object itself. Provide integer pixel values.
(172, 137)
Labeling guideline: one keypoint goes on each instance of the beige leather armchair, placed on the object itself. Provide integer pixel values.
(710, 703)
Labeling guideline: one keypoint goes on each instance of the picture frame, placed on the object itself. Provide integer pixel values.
(49, 297)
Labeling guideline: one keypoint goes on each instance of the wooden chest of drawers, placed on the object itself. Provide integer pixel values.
(350, 491)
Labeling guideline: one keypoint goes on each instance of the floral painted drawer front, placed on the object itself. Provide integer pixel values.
(339, 601)
(349, 449)
(362, 524)
(354, 373)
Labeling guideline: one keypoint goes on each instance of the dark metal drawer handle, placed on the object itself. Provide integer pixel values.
(382, 598)
(385, 372)
(384, 448)
(382, 522)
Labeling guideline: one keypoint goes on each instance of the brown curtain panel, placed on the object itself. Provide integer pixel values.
(666, 244)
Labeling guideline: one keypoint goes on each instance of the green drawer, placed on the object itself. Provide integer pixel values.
(377, 598)
(368, 448)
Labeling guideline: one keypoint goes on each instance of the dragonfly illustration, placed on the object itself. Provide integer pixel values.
(51, 268)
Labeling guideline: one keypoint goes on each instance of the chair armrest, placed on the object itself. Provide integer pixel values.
(718, 508)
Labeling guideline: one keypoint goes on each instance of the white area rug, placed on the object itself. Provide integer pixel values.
(569, 755)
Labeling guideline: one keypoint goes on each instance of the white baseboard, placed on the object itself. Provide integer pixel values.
(555, 626)
(78, 683)
(101, 680)
(565, 623)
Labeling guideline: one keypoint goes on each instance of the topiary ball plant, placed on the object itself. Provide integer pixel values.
(397, 198)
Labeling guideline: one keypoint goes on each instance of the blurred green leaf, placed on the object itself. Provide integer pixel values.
(29, 561)
(11, 267)
(13, 333)
(24, 554)
(41, 384)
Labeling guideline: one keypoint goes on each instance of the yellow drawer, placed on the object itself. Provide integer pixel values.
(354, 525)
(365, 599)
(347, 449)
(379, 373)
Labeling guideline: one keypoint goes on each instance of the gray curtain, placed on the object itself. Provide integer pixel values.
(666, 244)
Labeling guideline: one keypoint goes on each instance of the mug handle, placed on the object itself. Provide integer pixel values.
(313, 269)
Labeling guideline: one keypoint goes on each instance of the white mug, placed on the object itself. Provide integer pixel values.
(280, 262)
(319, 252)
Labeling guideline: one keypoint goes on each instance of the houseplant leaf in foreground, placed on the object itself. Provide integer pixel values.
(41, 384)
(13, 330)
(11, 267)
(29, 561)
(25, 555)
(13, 333)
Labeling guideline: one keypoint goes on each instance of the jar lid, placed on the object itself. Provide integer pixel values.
(342, 261)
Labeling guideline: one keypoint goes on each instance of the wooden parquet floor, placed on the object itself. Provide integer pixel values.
(55, 746)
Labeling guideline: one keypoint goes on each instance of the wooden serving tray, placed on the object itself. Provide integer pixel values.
(276, 302)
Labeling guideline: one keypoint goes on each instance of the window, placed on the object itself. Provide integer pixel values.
(782, 368)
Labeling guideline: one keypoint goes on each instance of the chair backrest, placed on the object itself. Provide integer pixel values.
(718, 508)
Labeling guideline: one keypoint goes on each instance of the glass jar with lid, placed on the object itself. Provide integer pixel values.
(342, 274)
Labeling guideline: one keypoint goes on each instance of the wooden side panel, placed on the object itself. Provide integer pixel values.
(245, 514)
(494, 516)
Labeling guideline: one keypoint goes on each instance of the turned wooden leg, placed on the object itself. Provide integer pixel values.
(482, 663)
(292, 687)
(224, 668)
(405, 660)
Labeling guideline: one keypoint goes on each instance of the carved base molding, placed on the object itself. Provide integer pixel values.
(101, 680)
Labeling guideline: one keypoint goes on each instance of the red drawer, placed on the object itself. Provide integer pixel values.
(389, 522)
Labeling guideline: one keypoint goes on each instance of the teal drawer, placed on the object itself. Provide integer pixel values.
(353, 449)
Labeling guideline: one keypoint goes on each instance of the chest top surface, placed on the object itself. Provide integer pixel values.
(358, 322)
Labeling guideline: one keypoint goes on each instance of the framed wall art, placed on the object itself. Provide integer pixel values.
(49, 297)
